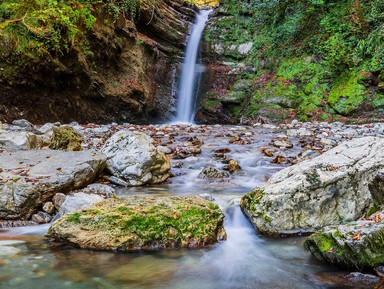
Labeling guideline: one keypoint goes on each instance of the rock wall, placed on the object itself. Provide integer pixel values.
(126, 75)
(292, 59)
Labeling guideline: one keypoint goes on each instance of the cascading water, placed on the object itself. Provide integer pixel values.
(187, 92)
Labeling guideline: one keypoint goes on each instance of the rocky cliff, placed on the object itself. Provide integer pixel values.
(90, 61)
(278, 60)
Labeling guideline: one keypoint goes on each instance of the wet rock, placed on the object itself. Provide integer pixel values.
(58, 199)
(353, 280)
(49, 207)
(118, 181)
(78, 201)
(30, 178)
(178, 165)
(232, 167)
(301, 132)
(222, 151)
(355, 245)
(100, 189)
(141, 222)
(165, 150)
(133, 157)
(329, 189)
(281, 143)
(41, 218)
(212, 173)
(267, 152)
(66, 138)
(238, 140)
(22, 123)
(358, 277)
(207, 196)
(185, 152)
(279, 160)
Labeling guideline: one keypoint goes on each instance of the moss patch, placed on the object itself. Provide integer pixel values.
(142, 223)
(66, 138)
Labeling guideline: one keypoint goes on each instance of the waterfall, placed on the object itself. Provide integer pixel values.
(189, 70)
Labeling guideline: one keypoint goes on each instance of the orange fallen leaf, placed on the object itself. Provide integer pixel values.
(356, 236)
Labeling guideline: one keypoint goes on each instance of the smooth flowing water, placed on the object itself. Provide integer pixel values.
(245, 260)
(189, 71)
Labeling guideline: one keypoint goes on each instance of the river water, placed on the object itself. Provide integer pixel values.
(245, 260)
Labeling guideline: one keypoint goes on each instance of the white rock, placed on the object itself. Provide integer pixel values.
(328, 190)
(133, 157)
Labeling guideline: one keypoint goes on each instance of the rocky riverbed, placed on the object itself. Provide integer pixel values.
(219, 163)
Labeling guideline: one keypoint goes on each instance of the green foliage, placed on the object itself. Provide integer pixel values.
(309, 49)
(347, 93)
(37, 29)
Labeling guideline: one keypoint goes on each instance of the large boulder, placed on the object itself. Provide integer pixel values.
(133, 157)
(22, 140)
(30, 178)
(328, 190)
(355, 245)
(141, 222)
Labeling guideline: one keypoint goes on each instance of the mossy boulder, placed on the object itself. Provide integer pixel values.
(354, 245)
(142, 222)
(66, 138)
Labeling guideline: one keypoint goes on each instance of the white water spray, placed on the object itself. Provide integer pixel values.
(186, 101)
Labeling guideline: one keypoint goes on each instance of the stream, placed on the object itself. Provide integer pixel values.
(245, 260)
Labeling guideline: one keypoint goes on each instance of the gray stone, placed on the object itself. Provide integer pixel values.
(78, 201)
(49, 207)
(285, 144)
(100, 189)
(21, 140)
(46, 128)
(58, 199)
(22, 123)
(133, 157)
(118, 181)
(212, 173)
(41, 218)
(30, 178)
(328, 190)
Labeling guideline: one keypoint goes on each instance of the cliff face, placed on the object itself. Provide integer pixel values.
(119, 67)
(278, 60)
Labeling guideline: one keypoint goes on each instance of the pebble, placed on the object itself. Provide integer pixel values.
(49, 207)
(41, 218)
(58, 199)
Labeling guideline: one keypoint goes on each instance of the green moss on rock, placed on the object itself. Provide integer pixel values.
(66, 138)
(347, 93)
(142, 223)
(351, 246)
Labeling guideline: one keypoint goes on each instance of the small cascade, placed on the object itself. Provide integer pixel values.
(190, 69)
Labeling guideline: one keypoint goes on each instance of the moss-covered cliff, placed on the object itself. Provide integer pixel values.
(316, 59)
(90, 60)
